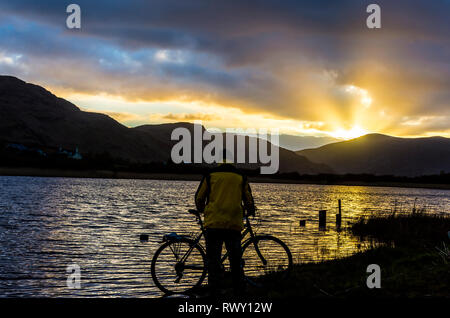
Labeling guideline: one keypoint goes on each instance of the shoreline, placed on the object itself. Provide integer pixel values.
(413, 260)
(109, 174)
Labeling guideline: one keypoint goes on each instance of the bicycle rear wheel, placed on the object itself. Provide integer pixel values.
(265, 254)
(175, 270)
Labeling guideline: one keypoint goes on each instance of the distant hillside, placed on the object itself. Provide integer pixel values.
(297, 143)
(384, 155)
(31, 115)
(289, 160)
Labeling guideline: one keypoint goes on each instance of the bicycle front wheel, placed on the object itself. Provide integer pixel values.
(178, 266)
(265, 254)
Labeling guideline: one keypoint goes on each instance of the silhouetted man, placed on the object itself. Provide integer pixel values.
(223, 195)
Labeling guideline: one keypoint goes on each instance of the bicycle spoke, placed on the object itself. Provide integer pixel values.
(265, 256)
(195, 268)
(178, 266)
(175, 248)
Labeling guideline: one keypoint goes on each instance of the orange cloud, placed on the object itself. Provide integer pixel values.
(122, 117)
(191, 117)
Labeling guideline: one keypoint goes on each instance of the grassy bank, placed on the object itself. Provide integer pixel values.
(412, 229)
(414, 262)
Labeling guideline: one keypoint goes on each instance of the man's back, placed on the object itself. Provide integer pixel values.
(225, 190)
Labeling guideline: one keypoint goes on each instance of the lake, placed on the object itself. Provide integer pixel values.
(47, 224)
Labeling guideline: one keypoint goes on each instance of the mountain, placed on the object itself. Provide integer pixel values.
(297, 143)
(385, 155)
(32, 116)
(29, 114)
(289, 160)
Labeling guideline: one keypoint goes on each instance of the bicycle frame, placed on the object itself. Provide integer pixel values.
(196, 241)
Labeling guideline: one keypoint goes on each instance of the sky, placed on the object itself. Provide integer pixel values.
(308, 68)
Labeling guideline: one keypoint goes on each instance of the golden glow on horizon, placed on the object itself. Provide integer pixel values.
(213, 115)
(354, 132)
(361, 118)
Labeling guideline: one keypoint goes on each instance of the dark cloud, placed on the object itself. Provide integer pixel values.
(215, 26)
(261, 56)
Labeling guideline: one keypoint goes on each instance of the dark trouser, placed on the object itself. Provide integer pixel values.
(214, 241)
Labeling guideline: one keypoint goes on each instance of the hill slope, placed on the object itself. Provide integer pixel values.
(297, 143)
(289, 160)
(381, 154)
(31, 115)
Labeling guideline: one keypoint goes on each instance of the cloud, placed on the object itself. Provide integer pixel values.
(191, 117)
(293, 60)
(123, 117)
(432, 125)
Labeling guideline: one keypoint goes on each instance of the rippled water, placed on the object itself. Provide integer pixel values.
(47, 224)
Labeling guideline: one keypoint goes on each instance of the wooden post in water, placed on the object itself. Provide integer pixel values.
(322, 218)
(339, 215)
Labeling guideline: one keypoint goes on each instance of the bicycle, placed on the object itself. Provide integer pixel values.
(179, 265)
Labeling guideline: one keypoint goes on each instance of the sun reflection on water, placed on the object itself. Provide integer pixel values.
(49, 223)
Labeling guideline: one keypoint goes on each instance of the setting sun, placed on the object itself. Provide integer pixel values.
(354, 132)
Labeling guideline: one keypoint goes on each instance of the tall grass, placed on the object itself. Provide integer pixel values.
(405, 228)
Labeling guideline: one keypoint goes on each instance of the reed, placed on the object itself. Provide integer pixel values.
(416, 227)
